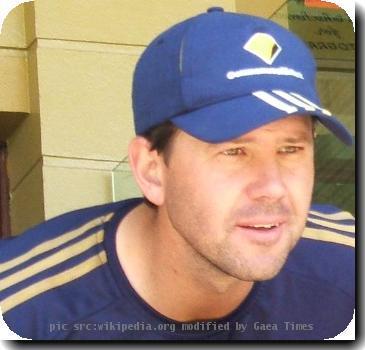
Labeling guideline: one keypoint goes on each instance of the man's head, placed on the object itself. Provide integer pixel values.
(232, 97)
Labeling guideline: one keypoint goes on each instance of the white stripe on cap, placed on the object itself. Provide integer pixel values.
(294, 100)
(324, 111)
(261, 71)
(273, 101)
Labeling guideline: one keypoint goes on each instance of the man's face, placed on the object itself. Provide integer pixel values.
(242, 205)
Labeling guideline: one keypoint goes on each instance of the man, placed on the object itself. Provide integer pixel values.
(224, 246)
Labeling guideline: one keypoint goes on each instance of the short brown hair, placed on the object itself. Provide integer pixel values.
(160, 138)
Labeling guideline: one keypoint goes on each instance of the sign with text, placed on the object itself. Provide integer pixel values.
(328, 31)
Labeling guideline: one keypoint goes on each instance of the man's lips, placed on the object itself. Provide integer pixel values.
(266, 232)
(263, 224)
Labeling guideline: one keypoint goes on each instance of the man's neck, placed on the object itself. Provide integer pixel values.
(169, 275)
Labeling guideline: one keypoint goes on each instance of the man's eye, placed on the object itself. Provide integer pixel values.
(290, 149)
(234, 152)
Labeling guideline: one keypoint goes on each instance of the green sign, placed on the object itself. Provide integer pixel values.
(327, 31)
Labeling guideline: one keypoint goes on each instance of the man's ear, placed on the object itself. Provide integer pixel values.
(147, 167)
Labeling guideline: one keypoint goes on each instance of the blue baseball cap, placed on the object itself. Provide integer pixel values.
(219, 75)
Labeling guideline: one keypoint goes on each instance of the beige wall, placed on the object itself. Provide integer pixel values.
(260, 8)
(65, 107)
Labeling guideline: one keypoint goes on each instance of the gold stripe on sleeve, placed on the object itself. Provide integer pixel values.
(52, 282)
(328, 236)
(52, 260)
(342, 215)
(53, 243)
(329, 224)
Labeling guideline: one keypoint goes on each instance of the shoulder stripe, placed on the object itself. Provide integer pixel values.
(342, 215)
(341, 227)
(54, 243)
(328, 236)
(53, 282)
(53, 260)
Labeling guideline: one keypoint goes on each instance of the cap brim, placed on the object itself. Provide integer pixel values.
(230, 119)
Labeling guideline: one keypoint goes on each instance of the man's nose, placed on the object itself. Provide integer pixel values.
(267, 182)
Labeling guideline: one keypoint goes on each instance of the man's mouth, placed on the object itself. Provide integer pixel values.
(262, 226)
(267, 233)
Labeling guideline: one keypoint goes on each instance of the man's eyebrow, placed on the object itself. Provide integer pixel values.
(303, 137)
(297, 138)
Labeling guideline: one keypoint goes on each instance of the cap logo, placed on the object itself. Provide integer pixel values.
(264, 46)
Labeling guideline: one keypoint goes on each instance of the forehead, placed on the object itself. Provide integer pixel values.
(287, 127)
(293, 128)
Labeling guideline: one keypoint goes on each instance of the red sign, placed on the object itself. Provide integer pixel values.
(320, 4)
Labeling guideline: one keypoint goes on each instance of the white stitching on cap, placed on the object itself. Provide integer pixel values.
(294, 100)
(273, 101)
(261, 71)
(324, 111)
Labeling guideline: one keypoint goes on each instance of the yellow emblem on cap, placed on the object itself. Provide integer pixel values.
(264, 46)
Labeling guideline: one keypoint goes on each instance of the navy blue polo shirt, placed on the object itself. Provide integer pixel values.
(62, 280)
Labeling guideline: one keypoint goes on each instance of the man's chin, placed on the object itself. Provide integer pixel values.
(265, 276)
(263, 270)
(258, 277)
